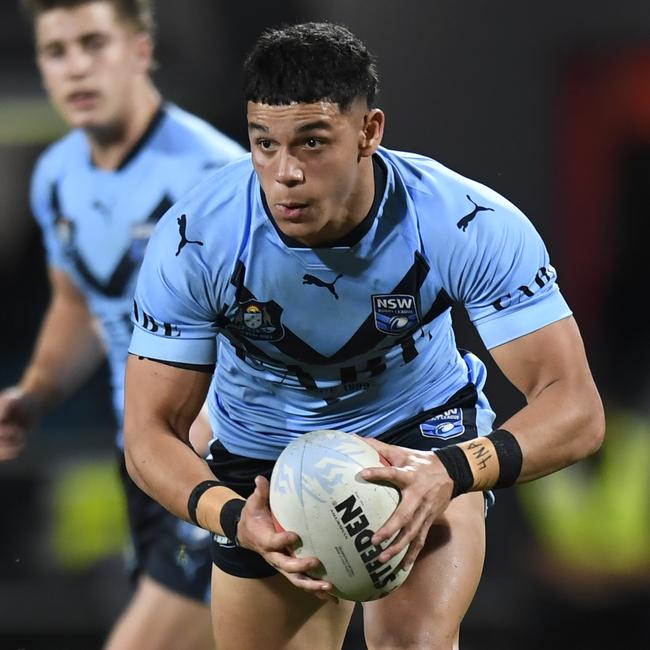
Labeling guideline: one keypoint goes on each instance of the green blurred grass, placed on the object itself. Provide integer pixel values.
(28, 120)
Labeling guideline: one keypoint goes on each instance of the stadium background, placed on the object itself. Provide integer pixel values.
(548, 103)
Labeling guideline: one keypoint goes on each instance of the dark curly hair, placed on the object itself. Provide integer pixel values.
(308, 63)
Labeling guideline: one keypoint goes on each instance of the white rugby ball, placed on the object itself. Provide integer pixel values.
(316, 492)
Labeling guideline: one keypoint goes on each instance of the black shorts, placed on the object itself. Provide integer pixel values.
(452, 423)
(170, 551)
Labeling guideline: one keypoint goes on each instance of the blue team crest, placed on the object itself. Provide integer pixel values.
(140, 234)
(258, 320)
(444, 425)
(394, 313)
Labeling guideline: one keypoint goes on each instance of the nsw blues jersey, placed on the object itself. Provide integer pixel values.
(357, 336)
(96, 223)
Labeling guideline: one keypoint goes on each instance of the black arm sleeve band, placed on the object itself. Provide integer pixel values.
(206, 368)
(510, 458)
(230, 516)
(195, 495)
(457, 466)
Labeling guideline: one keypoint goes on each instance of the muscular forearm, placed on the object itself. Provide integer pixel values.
(561, 425)
(562, 422)
(161, 404)
(152, 458)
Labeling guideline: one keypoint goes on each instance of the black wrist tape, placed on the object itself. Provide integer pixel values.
(229, 518)
(509, 455)
(195, 495)
(457, 467)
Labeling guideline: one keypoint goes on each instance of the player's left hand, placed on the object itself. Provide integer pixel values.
(426, 489)
(257, 532)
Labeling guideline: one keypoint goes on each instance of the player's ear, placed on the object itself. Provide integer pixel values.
(144, 51)
(371, 132)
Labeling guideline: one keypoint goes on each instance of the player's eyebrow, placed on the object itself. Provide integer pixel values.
(310, 126)
(84, 39)
(315, 126)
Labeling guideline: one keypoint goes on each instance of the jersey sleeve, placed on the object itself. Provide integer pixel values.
(505, 279)
(173, 312)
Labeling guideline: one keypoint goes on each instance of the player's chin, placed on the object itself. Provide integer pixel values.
(305, 231)
(89, 118)
(81, 120)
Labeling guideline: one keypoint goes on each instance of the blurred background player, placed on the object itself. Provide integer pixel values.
(97, 193)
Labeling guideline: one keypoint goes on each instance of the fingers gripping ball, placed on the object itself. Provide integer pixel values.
(316, 492)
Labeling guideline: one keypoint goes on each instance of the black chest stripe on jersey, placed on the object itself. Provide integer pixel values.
(124, 269)
(441, 304)
(367, 336)
(162, 207)
(409, 351)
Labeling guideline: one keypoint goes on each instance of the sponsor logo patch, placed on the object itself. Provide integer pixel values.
(223, 541)
(394, 313)
(444, 425)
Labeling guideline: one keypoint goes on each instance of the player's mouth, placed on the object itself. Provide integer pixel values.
(292, 209)
(82, 99)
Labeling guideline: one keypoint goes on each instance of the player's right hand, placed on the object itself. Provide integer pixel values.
(257, 532)
(17, 416)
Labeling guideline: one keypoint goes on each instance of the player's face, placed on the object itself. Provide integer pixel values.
(91, 63)
(313, 162)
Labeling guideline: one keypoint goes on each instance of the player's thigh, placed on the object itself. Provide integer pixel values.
(270, 613)
(160, 619)
(426, 611)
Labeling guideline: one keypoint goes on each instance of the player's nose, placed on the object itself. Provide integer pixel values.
(78, 62)
(289, 170)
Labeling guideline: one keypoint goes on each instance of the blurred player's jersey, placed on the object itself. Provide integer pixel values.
(96, 223)
(356, 336)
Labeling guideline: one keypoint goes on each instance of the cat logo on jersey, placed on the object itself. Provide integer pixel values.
(140, 234)
(448, 424)
(259, 320)
(394, 313)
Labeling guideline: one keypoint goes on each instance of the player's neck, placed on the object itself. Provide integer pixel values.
(111, 144)
(357, 207)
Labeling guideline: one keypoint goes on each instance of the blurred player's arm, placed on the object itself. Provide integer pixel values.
(67, 351)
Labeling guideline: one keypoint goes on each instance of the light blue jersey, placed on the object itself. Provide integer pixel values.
(357, 336)
(96, 223)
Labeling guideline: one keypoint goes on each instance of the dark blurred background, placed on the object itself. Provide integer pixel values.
(549, 104)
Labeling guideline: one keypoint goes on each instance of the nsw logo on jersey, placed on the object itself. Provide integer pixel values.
(394, 313)
(258, 320)
(444, 425)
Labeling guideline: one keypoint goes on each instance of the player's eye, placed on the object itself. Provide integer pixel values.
(53, 51)
(264, 144)
(95, 43)
(312, 143)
